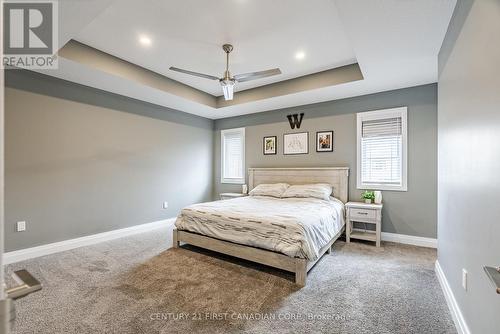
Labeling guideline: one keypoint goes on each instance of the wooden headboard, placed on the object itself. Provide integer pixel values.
(338, 177)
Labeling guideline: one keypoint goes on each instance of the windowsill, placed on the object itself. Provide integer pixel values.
(381, 187)
(226, 181)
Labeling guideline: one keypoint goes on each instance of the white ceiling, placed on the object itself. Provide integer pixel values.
(190, 33)
(395, 42)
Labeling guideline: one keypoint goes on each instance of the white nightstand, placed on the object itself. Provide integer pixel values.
(363, 213)
(231, 195)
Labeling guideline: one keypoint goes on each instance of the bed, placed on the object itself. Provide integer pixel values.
(291, 234)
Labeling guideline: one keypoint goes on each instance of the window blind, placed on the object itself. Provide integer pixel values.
(381, 151)
(233, 154)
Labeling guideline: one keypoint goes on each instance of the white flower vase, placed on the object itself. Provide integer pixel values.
(368, 201)
(378, 197)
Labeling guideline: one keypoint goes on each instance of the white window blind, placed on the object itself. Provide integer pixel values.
(382, 149)
(233, 155)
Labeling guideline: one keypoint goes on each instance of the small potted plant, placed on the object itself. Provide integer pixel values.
(368, 196)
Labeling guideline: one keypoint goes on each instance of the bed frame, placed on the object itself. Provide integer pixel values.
(336, 176)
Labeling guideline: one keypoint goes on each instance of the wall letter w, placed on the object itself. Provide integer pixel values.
(296, 121)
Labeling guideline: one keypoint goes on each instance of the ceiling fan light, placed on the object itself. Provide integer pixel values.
(228, 92)
(227, 88)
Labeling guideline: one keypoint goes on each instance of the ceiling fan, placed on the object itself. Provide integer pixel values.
(227, 81)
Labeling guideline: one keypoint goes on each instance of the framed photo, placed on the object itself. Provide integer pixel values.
(296, 143)
(324, 141)
(269, 145)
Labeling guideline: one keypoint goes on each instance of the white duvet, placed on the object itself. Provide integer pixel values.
(297, 227)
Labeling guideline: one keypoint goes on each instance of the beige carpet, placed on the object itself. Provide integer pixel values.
(137, 285)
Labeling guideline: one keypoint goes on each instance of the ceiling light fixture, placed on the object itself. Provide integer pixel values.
(227, 88)
(300, 55)
(145, 40)
(228, 81)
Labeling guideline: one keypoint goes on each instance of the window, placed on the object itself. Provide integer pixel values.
(233, 155)
(382, 156)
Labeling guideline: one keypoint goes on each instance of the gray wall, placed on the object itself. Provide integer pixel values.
(413, 212)
(81, 161)
(469, 159)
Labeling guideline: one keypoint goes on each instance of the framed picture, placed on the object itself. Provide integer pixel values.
(324, 141)
(269, 145)
(296, 143)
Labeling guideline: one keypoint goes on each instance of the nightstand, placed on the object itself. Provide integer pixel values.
(363, 213)
(231, 195)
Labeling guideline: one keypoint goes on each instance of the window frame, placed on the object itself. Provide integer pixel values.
(382, 114)
(222, 155)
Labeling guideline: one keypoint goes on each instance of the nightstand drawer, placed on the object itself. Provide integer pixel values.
(362, 213)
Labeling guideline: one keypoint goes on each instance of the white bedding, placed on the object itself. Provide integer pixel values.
(297, 227)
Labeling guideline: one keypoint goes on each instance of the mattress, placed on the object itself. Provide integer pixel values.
(297, 227)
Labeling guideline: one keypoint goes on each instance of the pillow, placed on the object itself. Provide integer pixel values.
(271, 189)
(318, 190)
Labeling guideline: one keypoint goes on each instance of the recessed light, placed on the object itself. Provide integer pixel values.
(145, 40)
(300, 55)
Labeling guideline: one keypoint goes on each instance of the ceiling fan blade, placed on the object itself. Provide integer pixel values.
(201, 75)
(256, 75)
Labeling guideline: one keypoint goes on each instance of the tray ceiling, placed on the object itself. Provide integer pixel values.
(395, 43)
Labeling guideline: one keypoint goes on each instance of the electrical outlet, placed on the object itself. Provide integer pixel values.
(165, 205)
(464, 279)
(20, 226)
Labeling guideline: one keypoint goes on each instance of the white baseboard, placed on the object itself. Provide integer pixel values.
(409, 239)
(456, 314)
(32, 252)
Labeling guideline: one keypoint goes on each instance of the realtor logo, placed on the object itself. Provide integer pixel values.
(30, 34)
